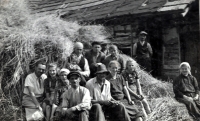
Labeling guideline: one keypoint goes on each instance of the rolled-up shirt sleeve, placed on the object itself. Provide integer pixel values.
(86, 101)
(86, 71)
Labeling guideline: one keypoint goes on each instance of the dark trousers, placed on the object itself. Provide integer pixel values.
(79, 116)
(115, 113)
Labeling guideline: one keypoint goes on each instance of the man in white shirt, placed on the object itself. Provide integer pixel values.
(33, 92)
(76, 101)
(102, 101)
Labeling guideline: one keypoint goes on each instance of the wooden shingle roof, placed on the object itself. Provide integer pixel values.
(88, 10)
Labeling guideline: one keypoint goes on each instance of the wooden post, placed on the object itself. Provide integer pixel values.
(132, 40)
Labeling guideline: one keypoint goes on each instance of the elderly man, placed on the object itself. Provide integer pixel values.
(82, 61)
(76, 101)
(94, 56)
(114, 55)
(101, 98)
(142, 51)
(33, 92)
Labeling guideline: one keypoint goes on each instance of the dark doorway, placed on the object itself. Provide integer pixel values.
(155, 39)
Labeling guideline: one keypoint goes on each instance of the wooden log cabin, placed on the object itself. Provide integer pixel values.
(172, 26)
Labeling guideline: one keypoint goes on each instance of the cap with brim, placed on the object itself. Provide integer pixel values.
(143, 32)
(73, 73)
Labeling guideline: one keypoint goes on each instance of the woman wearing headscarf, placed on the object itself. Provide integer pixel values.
(186, 90)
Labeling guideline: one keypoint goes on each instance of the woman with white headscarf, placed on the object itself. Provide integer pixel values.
(186, 90)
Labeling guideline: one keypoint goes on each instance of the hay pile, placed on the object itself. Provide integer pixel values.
(160, 97)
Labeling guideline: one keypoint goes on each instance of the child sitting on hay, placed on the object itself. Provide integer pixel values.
(54, 88)
(186, 90)
(133, 84)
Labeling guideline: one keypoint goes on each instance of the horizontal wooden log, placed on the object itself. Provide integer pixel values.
(170, 67)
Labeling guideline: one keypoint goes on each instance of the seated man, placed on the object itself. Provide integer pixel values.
(82, 62)
(33, 92)
(94, 56)
(76, 101)
(101, 98)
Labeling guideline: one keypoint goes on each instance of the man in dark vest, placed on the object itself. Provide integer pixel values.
(82, 61)
(142, 52)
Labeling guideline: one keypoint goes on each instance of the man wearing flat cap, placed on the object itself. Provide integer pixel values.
(142, 52)
(76, 101)
(102, 101)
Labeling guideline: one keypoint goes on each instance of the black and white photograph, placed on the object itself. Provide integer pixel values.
(99, 60)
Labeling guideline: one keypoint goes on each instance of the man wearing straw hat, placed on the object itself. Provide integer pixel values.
(102, 101)
(142, 51)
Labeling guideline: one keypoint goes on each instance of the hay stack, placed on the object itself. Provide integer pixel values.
(160, 97)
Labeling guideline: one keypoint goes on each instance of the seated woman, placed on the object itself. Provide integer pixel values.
(133, 85)
(186, 90)
(53, 86)
(120, 92)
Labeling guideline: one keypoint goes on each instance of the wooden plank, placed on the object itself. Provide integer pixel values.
(178, 2)
(49, 4)
(97, 10)
(170, 66)
(152, 5)
(69, 4)
(75, 7)
(87, 5)
(170, 8)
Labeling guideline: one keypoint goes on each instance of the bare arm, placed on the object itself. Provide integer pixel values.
(127, 94)
(134, 49)
(150, 49)
(139, 86)
(131, 91)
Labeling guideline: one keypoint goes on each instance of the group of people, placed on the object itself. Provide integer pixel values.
(92, 86)
(97, 86)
